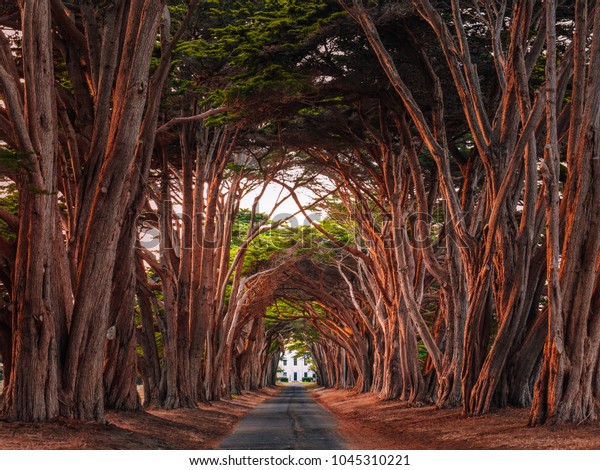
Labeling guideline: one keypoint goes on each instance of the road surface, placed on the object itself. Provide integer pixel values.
(291, 420)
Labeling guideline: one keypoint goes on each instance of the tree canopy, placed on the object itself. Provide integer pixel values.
(451, 145)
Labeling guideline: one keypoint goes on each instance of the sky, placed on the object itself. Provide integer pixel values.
(288, 207)
(273, 193)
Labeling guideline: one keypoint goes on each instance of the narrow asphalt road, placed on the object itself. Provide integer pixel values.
(291, 420)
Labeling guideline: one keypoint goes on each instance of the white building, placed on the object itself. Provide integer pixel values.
(294, 368)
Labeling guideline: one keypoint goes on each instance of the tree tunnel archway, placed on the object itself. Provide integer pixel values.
(321, 311)
(487, 128)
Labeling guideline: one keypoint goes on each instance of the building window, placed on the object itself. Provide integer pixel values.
(295, 376)
(295, 361)
(306, 374)
(285, 362)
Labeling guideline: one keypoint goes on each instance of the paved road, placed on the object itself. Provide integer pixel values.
(291, 420)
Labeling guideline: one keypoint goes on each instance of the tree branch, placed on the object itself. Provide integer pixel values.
(183, 120)
(11, 220)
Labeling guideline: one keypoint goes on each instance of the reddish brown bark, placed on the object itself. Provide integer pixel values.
(40, 310)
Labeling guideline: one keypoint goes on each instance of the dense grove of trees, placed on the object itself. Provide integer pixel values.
(453, 146)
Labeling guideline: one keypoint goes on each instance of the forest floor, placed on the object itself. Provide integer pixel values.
(366, 422)
(201, 428)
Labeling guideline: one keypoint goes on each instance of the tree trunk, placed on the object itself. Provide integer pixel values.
(120, 366)
(84, 391)
(149, 363)
(5, 346)
(566, 389)
(40, 309)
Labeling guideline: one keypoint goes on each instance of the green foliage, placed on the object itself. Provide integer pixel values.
(274, 78)
(422, 353)
(300, 340)
(152, 277)
(240, 228)
(342, 231)
(9, 200)
(12, 162)
(251, 33)
(267, 246)
(33, 189)
(298, 334)
(249, 50)
(62, 75)
(300, 240)
(281, 311)
(159, 345)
